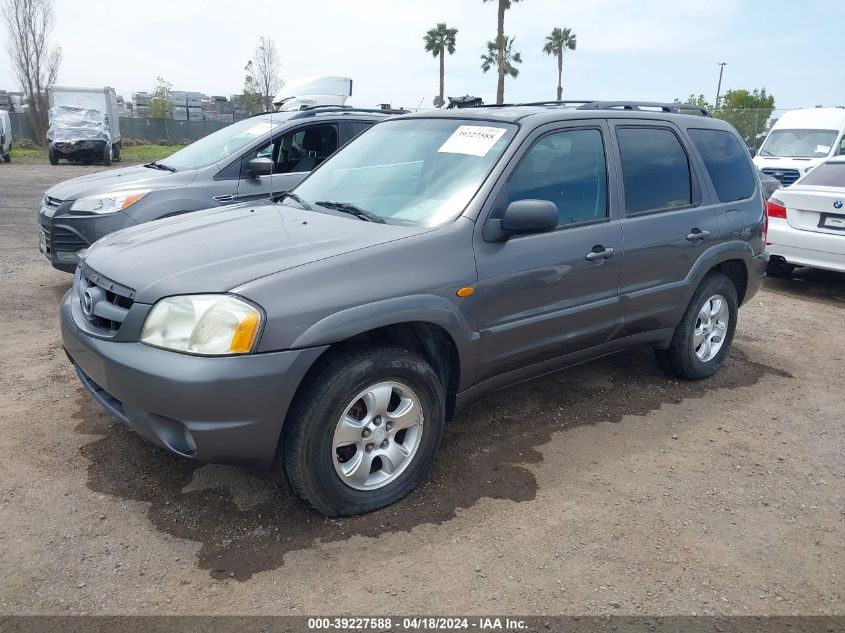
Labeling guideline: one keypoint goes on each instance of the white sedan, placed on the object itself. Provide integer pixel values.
(807, 221)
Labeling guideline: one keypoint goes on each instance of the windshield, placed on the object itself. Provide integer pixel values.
(220, 145)
(799, 143)
(411, 171)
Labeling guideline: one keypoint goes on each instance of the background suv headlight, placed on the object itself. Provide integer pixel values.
(108, 202)
(211, 325)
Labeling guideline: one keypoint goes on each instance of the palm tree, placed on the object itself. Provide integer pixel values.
(558, 41)
(438, 41)
(507, 66)
(504, 5)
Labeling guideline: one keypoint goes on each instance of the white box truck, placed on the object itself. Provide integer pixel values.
(84, 124)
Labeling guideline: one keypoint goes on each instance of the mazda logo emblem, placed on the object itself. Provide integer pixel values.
(837, 204)
(87, 304)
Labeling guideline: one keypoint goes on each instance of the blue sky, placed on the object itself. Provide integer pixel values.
(643, 49)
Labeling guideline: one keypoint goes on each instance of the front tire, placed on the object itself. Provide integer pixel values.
(116, 152)
(52, 154)
(7, 157)
(107, 154)
(703, 338)
(364, 431)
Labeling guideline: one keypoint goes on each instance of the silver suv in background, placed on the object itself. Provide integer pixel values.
(248, 160)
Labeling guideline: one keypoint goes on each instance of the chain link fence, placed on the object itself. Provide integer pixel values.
(148, 130)
(752, 124)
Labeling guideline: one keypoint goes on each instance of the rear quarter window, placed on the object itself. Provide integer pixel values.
(726, 160)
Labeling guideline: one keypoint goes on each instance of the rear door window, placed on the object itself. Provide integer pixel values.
(726, 160)
(655, 169)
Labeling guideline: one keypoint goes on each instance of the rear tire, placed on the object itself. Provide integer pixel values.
(52, 154)
(779, 268)
(360, 404)
(7, 158)
(116, 153)
(703, 338)
(107, 154)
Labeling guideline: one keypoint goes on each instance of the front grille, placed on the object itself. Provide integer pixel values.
(785, 176)
(66, 240)
(104, 303)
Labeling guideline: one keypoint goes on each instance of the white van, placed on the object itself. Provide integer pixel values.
(5, 136)
(801, 140)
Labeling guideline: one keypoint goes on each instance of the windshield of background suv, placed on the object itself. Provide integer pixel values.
(799, 143)
(220, 145)
(412, 171)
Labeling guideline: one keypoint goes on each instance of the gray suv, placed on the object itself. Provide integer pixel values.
(247, 160)
(333, 331)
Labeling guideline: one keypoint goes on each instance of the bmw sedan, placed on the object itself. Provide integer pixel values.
(807, 221)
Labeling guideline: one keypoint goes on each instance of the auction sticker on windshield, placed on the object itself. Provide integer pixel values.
(473, 140)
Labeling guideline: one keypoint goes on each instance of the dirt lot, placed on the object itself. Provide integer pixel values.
(604, 489)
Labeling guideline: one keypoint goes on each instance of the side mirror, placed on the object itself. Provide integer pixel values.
(522, 217)
(262, 166)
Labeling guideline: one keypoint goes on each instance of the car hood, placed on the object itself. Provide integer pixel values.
(128, 178)
(219, 249)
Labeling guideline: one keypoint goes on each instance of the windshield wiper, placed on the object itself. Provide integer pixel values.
(294, 197)
(156, 165)
(351, 209)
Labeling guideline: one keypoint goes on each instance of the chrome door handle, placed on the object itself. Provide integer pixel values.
(595, 254)
(696, 235)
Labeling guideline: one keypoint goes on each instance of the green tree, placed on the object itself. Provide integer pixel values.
(161, 103)
(558, 41)
(748, 112)
(507, 67)
(500, 46)
(251, 99)
(438, 41)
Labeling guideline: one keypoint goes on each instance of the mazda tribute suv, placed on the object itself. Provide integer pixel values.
(331, 332)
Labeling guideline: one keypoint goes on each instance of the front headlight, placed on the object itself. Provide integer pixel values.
(211, 325)
(108, 202)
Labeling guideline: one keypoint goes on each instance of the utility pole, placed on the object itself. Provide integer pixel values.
(719, 87)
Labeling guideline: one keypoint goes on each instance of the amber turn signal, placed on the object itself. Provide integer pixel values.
(466, 291)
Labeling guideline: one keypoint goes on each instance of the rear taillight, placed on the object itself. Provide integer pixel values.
(765, 224)
(775, 209)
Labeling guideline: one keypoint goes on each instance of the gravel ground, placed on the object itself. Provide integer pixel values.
(607, 488)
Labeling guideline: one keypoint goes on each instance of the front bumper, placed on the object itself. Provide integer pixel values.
(64, 237)
(806, 248)
(226, 410)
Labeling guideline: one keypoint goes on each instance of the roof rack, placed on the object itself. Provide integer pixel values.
(310, 111)
(644, 106)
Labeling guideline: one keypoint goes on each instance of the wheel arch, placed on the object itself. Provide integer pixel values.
(430, 325)
(729, 258)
